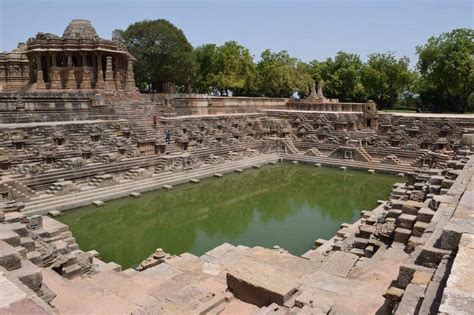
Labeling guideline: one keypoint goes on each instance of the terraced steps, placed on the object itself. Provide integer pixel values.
(121, 190)
(393, 169)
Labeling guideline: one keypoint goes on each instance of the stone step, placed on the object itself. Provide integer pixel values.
(112, 192)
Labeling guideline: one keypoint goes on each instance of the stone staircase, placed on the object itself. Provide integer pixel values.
(351, 164)
(42, 205)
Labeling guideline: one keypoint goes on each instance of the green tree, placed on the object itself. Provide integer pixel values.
(206, 67)
(281, 75)
(233, 69)
(341, 77)
(384, 78)
(410, 97)
(164, 56)
(446, 65)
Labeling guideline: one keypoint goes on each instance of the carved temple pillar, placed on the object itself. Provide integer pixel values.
(86, 83)
(109, 76)
(99, 84)
(118, 73)
(54, 72)
(71, 79)
(130, 80)
(40, 85)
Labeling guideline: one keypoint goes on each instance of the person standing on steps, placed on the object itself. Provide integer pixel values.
(168, 136)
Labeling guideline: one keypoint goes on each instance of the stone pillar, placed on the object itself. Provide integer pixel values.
(130, 81)
(99, 84)
(48, 68)
(86, 83)
(71, 79)
(55, 76)
(39, 74)
(109, 76)
(117, 74)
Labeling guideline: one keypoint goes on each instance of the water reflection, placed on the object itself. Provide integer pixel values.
(286, 205)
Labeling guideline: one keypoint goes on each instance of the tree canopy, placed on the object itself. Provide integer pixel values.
(281, 75)
(446, 65)
(342, 76)
(164, 57)
(224, 69)
(384, 78)
(166, 62)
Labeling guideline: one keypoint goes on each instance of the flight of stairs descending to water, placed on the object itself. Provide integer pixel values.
(41, 205)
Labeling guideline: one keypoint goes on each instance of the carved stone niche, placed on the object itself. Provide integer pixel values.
(86, 153)
(413, 132)
(126, 132)
(146, 146)
(59, 140)
(425, 144)
(444, 131)
(4, 163)
(442, 144)
(394, 142)
(385, 128)
(284, 133)
(160, 148)
(18, 144)
(121, 149)
(340, 125)
(48, 157)
(95, 137)
(183, 144)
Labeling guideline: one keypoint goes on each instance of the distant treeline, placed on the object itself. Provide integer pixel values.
(442, 81)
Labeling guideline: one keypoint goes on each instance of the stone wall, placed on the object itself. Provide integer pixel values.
(219, 105)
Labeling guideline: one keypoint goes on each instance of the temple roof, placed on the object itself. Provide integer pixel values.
(80, 29)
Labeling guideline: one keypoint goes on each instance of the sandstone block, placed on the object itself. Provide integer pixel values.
(406, 221)
(340, 263)
(369, 251)
(394, 213)
(425, 215)
(30, 275)
(35, 258)
(436, 179)
(402, 235)
(54, 213)
(366, 230)
(98, 203)
(27, 243)
(260, 284)
(421, 277)
(10, 237)
(419, 228)
(360, 243)
(9, 257)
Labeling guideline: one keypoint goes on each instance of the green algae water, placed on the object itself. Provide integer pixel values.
(286, 205)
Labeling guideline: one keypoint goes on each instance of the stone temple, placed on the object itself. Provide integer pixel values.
(74, 132)
(79, 60)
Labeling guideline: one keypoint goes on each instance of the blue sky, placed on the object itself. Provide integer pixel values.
(306, 29)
